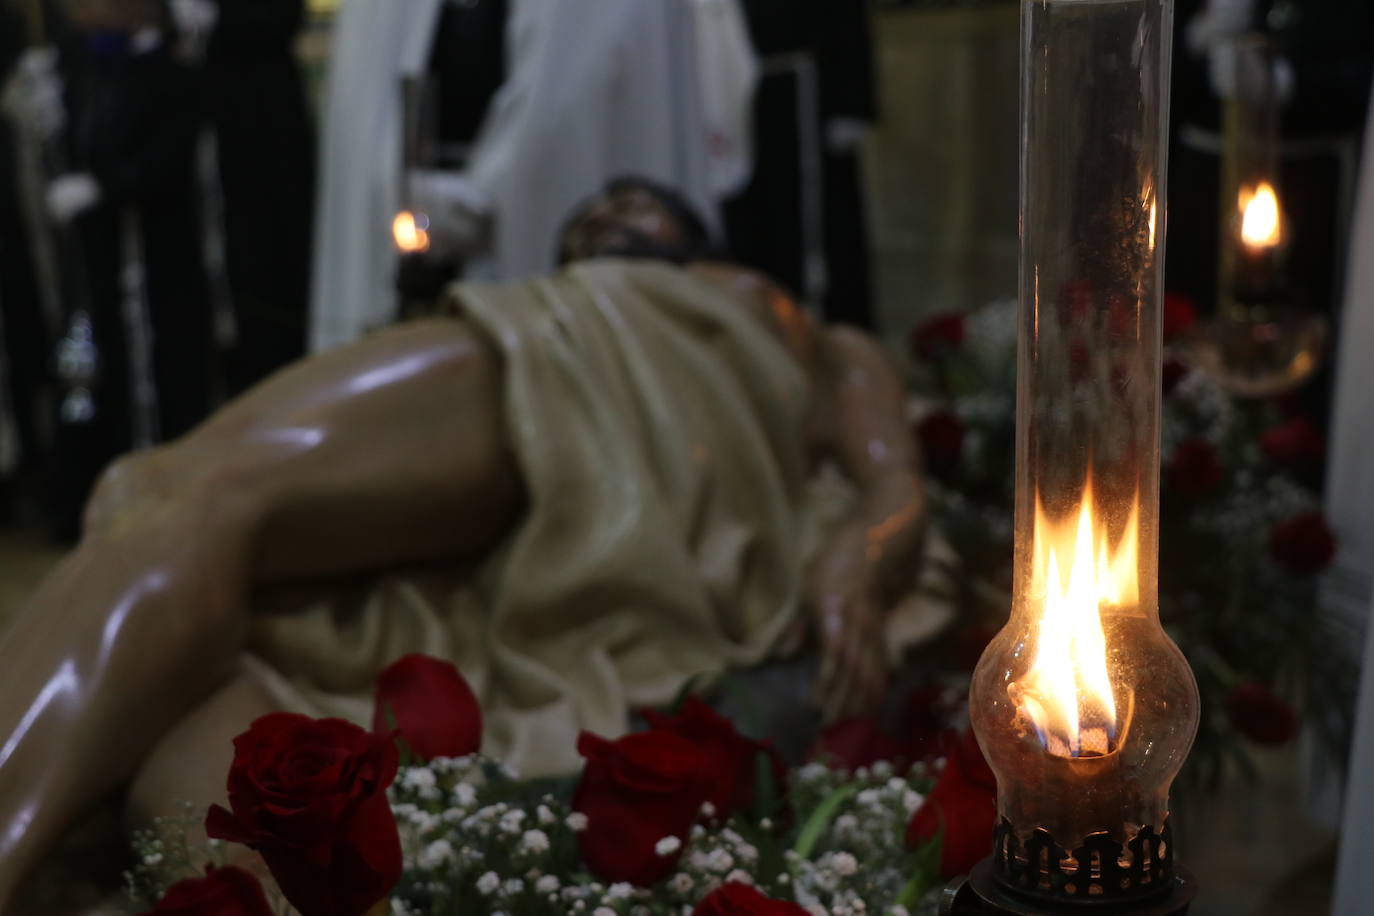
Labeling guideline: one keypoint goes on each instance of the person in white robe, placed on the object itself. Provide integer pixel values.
(592, 91)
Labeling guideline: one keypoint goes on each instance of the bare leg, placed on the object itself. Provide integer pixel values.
(389, 451)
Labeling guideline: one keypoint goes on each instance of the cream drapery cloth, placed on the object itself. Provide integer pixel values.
(658, 428)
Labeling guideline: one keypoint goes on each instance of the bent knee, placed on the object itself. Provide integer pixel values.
(197, 482)
(125, 482)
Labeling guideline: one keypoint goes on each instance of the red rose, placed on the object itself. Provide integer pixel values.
(1180, 314)
(227, 891)
(1303, 544)
(1080, 361)
(1260, 715)
(1296, 442)
(1075, 302)
(429, 704)
(736, 899)
(936, 336)
(922, 734)
(1173, 372)
(858, 741)
(731, 760)
(942, 438)
(636, 791)
(310, 796)
(964, 803)
(928, 717)
(1194, 471)
(1122, 319)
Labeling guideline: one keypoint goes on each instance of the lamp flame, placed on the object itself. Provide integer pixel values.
(1259, 223)
(410, 232)
(1067, 694)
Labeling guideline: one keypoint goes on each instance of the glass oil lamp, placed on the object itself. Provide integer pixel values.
(1083, 706)
(1261, 341)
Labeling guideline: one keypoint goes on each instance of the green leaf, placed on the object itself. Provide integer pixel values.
(820, 819)
(765, 788)
(688, 688)
(925, 871)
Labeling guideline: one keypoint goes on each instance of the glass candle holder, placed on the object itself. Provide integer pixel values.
(1262, 341)
(1083, 706)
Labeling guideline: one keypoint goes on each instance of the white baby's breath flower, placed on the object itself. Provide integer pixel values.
(535, 841)
(418, 779)
(436, 854)
(621, 890)
(844, 864)
(898, 910)
(152, 858)
(718, 860)
(547, 884)
(488, 883)
(464, 794)
(603, 911)
(545, 816)
(577, 821)
(911, 800)
(708, 810)
(747, 852)
(681, 883)
(868, 798)
(667, 846)
(739, 876)
(512, 820)
(513, 886)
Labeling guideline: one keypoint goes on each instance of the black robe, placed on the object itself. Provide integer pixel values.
(266, 146)
(764, 222)
(133, 124)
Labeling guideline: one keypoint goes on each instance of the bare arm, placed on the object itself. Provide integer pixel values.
(863, 428)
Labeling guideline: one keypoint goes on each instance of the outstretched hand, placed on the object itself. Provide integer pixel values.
(849, 624)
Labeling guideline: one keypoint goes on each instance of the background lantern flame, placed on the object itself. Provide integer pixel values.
(410, 232)
(1067, 694)
(1259, 223)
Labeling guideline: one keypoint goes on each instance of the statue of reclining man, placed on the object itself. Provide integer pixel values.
(612, 459)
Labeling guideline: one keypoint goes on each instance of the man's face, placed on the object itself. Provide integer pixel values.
(621, 221)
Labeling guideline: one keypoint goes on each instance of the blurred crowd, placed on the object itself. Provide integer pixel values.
(179, 216)
(155, 220)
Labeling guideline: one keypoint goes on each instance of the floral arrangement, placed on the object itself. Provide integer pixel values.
(1242, 536)
(685, 816)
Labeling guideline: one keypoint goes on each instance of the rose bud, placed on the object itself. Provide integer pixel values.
(430, 706)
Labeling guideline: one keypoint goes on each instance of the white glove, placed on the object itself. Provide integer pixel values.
(1218, 19)
(195, 19)
(71, 195)
(33, 93)
(1227, 68)
(459, 212)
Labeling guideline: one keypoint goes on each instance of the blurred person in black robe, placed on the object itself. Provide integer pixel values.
(134, 113)
(766, 224)
(24, 336)
(266, 150)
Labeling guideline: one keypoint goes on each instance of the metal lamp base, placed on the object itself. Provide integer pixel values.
(981, 895)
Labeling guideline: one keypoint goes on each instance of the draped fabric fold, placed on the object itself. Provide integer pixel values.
(657, 426)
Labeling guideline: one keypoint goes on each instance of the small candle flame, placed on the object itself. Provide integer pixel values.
(410, 232)
(1067, 694)
(1260, 225)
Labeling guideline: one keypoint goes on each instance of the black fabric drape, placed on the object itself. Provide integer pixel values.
(764, 223)
(266, 144)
